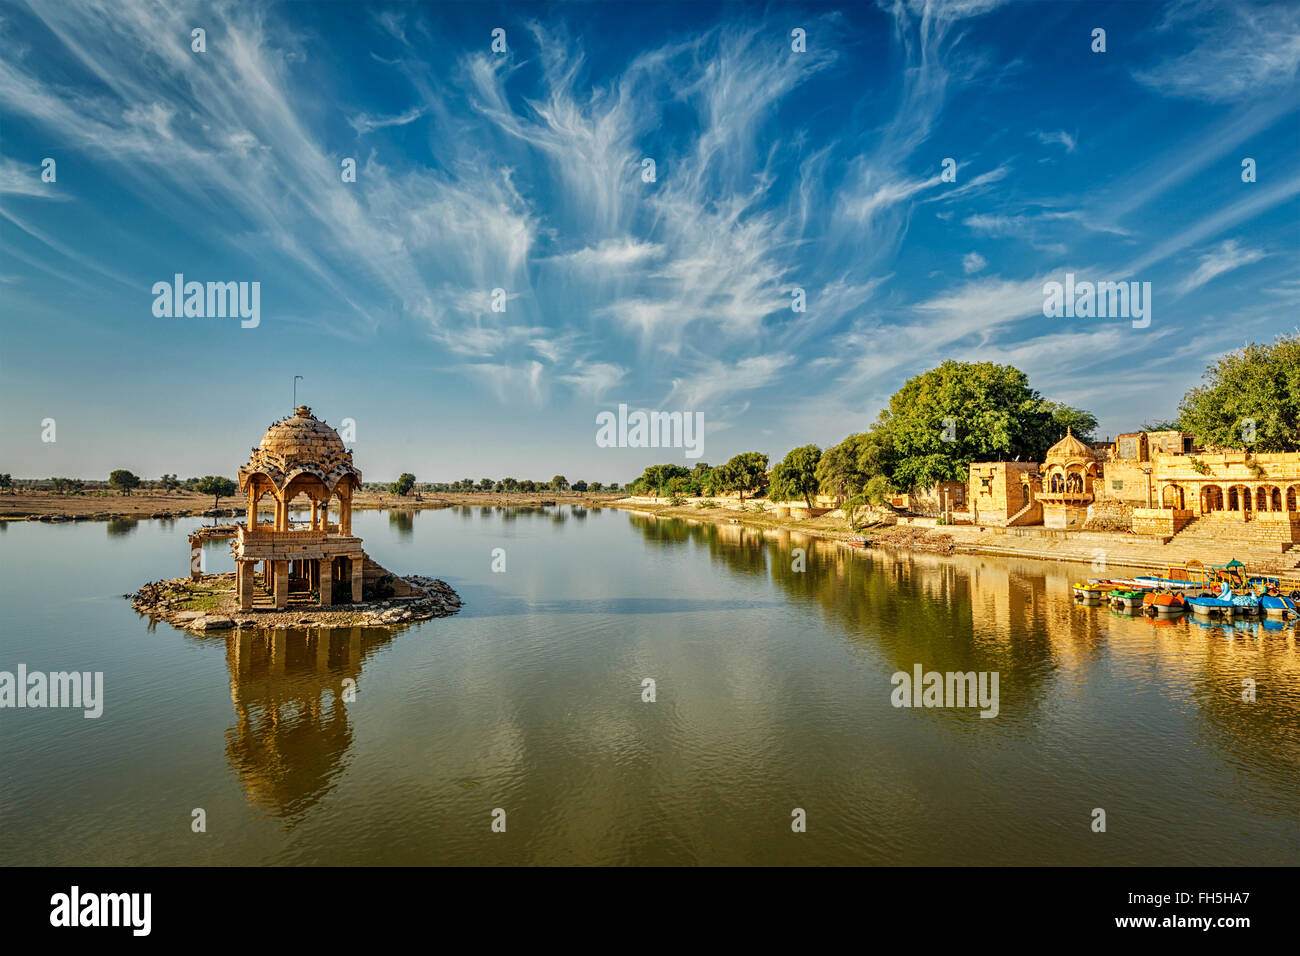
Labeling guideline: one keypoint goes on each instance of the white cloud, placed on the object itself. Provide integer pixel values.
(365, 123)
(1225, 257)
(1060, 138)
(1242, 51)
(973, 262)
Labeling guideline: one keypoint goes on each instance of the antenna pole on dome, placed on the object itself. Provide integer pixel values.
(295, 391)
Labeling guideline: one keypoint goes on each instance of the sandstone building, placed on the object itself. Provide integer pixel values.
(299, 456)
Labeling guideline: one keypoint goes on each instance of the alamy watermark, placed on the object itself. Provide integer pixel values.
(950, 689)
(37, 689)
(641, 429)
(1101, 300)
(212, 300)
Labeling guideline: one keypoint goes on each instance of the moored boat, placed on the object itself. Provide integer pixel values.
(1090, 593)
(1165, 605)
(1127, 597)
(1210, 606)
(1278, 608)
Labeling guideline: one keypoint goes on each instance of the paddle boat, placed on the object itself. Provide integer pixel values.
(1090, 593)
(1127, 598)
(1164, 605)
(1179, 578)
(1277, 607)
(1225, 603)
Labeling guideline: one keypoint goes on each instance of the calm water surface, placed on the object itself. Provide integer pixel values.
(773, 693)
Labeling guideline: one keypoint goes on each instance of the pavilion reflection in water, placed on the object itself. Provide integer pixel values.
(292, 732)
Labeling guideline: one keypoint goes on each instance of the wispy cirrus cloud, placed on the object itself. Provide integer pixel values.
(1224, 257)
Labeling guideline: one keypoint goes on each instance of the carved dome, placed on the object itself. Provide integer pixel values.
(1069, 451)
(302, 437)
(300, 444)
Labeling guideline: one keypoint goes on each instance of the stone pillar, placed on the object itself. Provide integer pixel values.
(280, 569)
(252, 507)
(244, 575)
(345, 514)
(358, 565)
(326, 582)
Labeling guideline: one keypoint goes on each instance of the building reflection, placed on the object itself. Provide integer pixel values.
(292, 733)
(1016, 616)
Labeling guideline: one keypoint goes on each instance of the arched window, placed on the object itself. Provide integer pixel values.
(1291, 495)
(1261, 499)
(1213, 496)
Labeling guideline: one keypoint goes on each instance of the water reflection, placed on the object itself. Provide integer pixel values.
(403, 522)
(292, 734)
(121, 527)
(969, 613)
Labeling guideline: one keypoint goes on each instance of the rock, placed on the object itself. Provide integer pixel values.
(190, 615)
(212, 623)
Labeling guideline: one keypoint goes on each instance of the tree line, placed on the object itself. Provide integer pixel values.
(940, 421)
(407, 484)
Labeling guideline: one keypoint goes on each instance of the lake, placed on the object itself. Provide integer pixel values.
(772, 691)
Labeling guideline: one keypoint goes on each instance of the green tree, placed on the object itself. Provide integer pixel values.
(510, 484)
(654, 480)
(745, 472)
(942, 420)
(845, 469)
(216, 486)
(796, 475)
(169, 482)
(560, 483)
(579, 486)
(1082, 423)
(7, 482)
(1251, 397)
(403, 485)
(123, 481)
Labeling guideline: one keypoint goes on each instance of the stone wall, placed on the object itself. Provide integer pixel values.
(1109, 514)
(1161, 522)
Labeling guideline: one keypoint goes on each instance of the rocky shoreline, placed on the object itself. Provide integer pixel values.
(210, 604)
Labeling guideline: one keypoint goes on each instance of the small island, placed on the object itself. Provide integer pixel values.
(310, 573)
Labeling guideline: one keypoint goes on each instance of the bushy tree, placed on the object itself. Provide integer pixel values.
(744, 472)
(216, 486)
(124, 481)
(403, 485)
(560, 483)
(654, 480)
(1083, 424)
(844, 470)
(1251, 397)
(942, 420)
(796, 475)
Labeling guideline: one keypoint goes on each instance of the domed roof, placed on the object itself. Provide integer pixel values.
(301, 437)
(300, 444)
(1069, 449)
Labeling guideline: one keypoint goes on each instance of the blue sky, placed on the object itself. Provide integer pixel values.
(523, 171)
